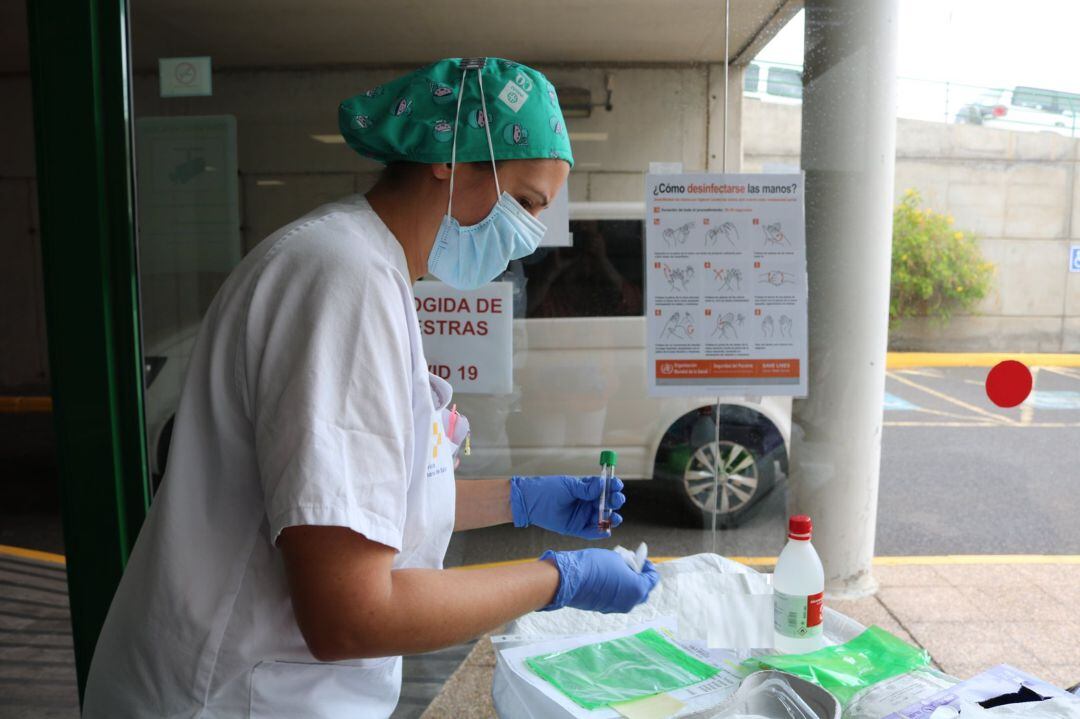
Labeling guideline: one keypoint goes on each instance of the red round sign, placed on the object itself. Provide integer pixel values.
(1008, 383)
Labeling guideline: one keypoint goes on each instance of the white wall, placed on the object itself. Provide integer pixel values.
(1015, 190)
(661, 113)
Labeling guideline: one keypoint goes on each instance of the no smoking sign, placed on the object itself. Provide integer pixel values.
(184, 76)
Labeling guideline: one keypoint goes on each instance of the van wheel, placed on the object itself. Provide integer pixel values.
(725, 479)
(745, 461)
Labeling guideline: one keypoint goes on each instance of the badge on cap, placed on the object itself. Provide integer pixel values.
(513, 96)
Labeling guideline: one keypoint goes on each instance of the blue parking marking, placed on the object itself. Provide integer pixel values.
(1065, 399)
(895, 404)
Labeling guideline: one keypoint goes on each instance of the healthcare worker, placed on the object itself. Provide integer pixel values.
(295, 548)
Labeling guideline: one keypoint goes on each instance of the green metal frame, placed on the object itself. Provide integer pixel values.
(79, 66)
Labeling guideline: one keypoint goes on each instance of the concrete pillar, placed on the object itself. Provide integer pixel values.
(848, 152)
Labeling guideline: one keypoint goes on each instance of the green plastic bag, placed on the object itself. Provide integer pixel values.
(620, 670)
(846, 669)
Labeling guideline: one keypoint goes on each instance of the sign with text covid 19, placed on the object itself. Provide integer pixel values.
(468, 335)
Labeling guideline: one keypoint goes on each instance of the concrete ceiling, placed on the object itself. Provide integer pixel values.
(295, 33)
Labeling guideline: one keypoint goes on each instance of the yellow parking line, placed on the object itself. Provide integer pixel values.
(901, 360)
(1001, 419)
(34, 554)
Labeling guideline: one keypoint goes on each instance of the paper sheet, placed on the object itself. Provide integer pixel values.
(725, 259)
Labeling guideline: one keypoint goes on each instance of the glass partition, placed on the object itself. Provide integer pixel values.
(983, 232)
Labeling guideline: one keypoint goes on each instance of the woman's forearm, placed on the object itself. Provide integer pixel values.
(482, 503)
(429, 609)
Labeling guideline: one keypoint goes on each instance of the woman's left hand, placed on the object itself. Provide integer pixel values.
(567, 505)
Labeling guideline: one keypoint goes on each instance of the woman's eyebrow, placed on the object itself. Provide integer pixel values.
(544, 199)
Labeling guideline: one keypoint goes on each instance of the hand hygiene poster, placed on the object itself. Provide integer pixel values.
(725, 261)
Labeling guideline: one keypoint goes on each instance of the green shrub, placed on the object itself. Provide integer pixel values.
(936, 268)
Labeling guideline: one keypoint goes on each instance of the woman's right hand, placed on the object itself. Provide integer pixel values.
(599, 580)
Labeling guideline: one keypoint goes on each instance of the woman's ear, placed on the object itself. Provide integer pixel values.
(441, 170)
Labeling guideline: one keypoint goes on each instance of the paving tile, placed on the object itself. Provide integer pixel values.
(1050, 642)
(483, 654)
(1057, 575)
(467, 695)
(1066, 593)
(989, 575)
(967, 671)
(1016, 603)
(922, 604)
(962, 644)
(1061, 675)
(870, 610)
(908, 575)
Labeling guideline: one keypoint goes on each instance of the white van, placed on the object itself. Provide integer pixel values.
(1029, 109)
(579, 384)
(773, 82)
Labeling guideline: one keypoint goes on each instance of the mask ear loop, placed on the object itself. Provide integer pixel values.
(487, 127)
(453, 147)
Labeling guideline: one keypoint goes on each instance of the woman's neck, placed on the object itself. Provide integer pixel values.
(413, 216)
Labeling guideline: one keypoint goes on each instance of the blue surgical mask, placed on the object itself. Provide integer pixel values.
(469, 257)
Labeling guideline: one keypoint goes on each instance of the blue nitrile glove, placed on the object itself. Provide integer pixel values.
(599, 580)
(567, 505)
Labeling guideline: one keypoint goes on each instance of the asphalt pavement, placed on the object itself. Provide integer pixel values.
(959, 475)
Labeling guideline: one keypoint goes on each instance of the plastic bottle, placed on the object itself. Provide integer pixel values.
(798, 591)
(607, 473)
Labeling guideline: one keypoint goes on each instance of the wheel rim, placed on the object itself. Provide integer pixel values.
(737, 475)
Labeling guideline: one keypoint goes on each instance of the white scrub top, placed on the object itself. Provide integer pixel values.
(307, 402)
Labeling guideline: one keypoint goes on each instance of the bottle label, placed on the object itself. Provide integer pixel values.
(797, 616)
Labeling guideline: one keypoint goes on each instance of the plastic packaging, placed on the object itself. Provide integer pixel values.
(607, 473)
(896, 693)
(620, 670)
(847, 668)
(773, 695)
(798, 592)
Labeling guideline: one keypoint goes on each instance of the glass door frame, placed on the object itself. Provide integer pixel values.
(80, 73)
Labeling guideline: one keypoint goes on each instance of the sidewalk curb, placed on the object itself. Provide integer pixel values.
(905, 360)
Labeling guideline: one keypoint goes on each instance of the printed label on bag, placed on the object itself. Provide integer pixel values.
(796, 615)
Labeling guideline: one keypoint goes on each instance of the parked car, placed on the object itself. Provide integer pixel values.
(1025, 109)
(579, 386)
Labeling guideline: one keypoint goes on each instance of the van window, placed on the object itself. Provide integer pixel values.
(601, 275)
(784, 82)
(751, 75)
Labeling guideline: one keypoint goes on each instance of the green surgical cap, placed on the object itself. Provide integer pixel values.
(412, 118)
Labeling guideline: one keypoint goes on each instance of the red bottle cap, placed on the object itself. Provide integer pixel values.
(799, 527)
